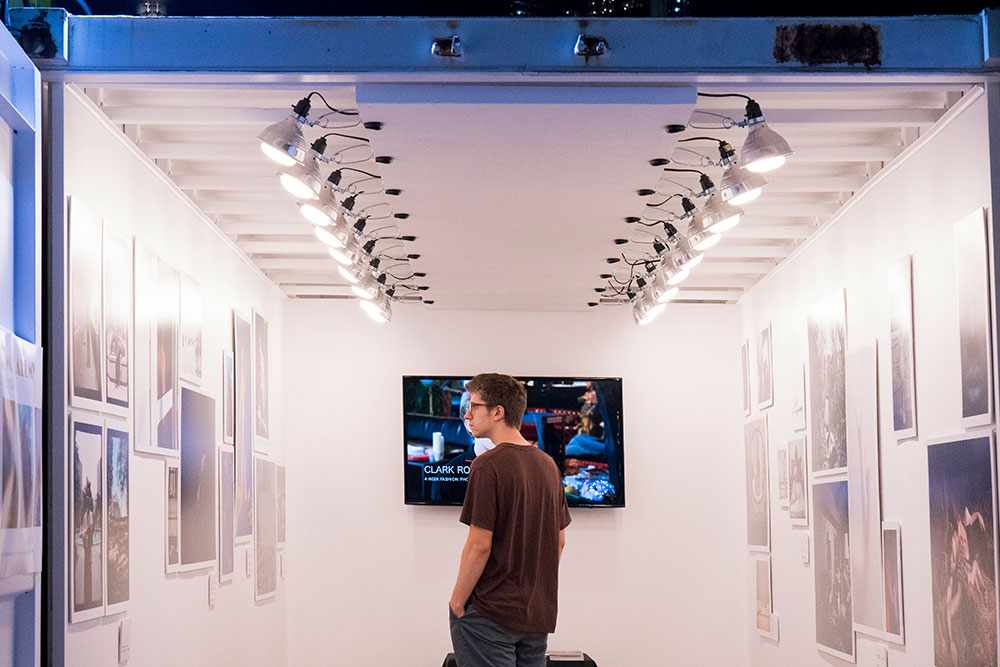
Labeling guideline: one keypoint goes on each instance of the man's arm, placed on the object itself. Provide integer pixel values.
(475, 553)
(562, 542)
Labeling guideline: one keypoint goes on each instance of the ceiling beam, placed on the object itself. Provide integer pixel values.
(860, 153)
(796, 210)
(745, 231)
(725, 267)
(314, 247)
(298, 229)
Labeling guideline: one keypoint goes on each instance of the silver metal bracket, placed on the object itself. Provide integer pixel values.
(449, 47)
(589, 45)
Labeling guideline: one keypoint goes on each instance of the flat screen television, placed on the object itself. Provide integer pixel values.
(576, 421)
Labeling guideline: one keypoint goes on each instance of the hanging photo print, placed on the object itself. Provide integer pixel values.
(972, 260)
(892, 577)
(834, 618)
(117, 476)
(164, 362)
(765, 377)
(758, 520)
(762, 571)
(265, 530)
(144, 319)
(85, 307)
(798, 486)
(198, 478)
(173, 515)
(227, 528)
(117, 322)
(827, 327)
(228, 406)
(192, 321)
(244, 428)
(904, 392)
(745, 364)
(261, 380)
(87, 521)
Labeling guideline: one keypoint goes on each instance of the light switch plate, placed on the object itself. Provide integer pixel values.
(213, 588)
(881, 656)
(249, 562)
(124, 640)
(804, 547)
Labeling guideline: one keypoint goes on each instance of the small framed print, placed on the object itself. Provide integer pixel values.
(892, 578)
(228, 400)
(764, 612)
(745, 362)
(765, 376)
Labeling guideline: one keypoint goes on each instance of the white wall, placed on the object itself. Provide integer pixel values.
(909, 209)
(171, 619)
(659, 582)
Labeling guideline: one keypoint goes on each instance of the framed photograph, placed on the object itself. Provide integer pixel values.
(827, 326)
(164, 362)
(173, 515)
(783, 477)
(86, 235)
(228, 406)
(86, 508)
(281, 504)
(832, 570)
(962, 483)
(227, 527)
(12, 515)
(765, 378)
(758, 519)
(144, 307)
(265, 529)
(799, 400)
(972, 260)
(763, 609)
(192, 323)
(116, 456)
(243, 345)
(261, 381)
(117, 322)
(745, 363)
(904, 385)
(198, 479)
(864, 489)
(798, 486)
(892, 577)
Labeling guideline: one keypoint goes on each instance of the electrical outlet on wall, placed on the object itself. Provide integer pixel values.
(881, 656)
(804, 548)
(124, 640)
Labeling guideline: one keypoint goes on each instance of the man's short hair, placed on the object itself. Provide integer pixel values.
(498, 389)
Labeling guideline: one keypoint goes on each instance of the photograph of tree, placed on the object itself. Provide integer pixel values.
(831, 549)
(87, 513)
(116, 455)
(827, 329)
(963, 551)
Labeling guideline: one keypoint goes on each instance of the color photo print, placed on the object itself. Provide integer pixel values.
(85, 307)
(117, 322)
(117, 449)
(827, 327)
(164, 362)
(265, 529)
(974, 319)
(904, 392)
(198, 480)
(863, 482)
(831, 554)
(758, 519)
(87, 520)
(243, 342)
(962, 488)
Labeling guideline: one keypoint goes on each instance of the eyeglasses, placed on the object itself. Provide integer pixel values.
(472, 406)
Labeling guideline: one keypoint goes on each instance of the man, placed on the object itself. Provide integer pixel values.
(505, 599)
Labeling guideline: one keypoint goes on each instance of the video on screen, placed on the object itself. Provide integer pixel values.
(576, 421)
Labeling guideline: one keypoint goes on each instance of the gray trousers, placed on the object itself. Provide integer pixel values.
(479, 642)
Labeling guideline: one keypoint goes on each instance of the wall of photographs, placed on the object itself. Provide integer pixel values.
(868, 394)
(171, 382)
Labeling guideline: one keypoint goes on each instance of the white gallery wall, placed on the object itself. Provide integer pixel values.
(172, 622)
(910, 207)
(658, 582)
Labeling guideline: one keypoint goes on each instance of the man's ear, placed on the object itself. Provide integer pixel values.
(500, 413)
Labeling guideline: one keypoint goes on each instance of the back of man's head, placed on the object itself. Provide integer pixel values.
(498, 389)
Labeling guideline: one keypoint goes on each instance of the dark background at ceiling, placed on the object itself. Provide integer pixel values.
(601, 8)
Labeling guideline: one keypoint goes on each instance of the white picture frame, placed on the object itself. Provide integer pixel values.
(892, 576)
(265, 534)
(798, 480)
(228, 402)
(745, 366)
(117, 335)
(261, 383)
(86, 433)
(765, 623)
(227, 522)
(143, 320)
(827, 335)
(172, 515)
(902, 350)
(975, 331)
(85, 319)
(116, 601)
(190, 348)
(757, 484)
(765, 368)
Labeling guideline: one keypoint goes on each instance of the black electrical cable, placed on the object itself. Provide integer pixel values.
(340, 111)
(746, 97)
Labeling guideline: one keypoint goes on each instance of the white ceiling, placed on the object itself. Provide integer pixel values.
(516, 193)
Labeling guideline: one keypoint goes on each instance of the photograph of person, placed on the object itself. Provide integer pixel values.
(85, 236)
(827, 329)
(87, 511)
(963, 551)
(904, 406)
(863, 482)
(834, 616)
(798, 510)
(116, 456)
(244, 428)
(117, 319)
(972, 262)
(198, 457)
(758, 528)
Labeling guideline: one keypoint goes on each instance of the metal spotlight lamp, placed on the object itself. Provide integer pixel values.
(764, 149)
(719, 215)
(283, 141)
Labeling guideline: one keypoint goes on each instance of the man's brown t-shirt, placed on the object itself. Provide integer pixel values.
(516, 491)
